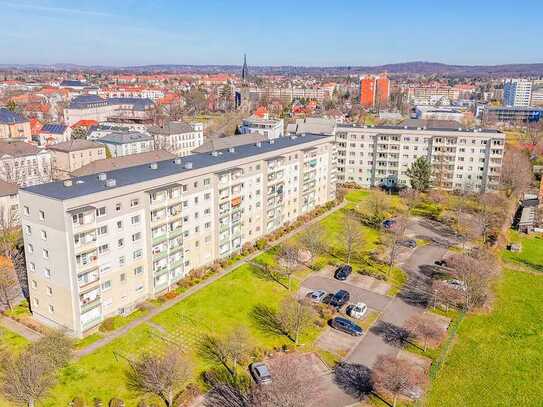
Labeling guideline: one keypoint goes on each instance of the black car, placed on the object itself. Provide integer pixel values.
(440, 263)
(347, 326)
(260, 373)
(343, 272)
(340, 299)
(408, 243)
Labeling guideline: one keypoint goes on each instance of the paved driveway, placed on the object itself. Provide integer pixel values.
(372, 300)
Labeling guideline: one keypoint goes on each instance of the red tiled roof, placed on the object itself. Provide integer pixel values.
(84, 123)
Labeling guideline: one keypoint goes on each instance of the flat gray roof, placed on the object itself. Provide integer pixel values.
(90, 184)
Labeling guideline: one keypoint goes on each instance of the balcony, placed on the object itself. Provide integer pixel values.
(88, 279)
(86, 304)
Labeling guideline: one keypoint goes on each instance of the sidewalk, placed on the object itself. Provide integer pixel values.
(163, 307)
(19, 329)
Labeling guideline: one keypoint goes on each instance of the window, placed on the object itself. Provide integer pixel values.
(118, 206)
(34, 284)
(28, 229)
(30, 248)
(120, 242)
(102, 230)
(47, 273)
(49, 291)
(101, 211)
(123, 277)
(44, 235)
(119, 224)
(195, 184)
(136, 237)
(135, 219)
(42, 215)
(207, 181)
(134, 202)
(32, 266)
(121, 261)
(207, 195)
(27, 210)
(106, 285)
(138, 270)
(36, 301)
(207, 225)
(45, 253)
(103, 248)
(138, 254)
(207, 211)
(139, 288)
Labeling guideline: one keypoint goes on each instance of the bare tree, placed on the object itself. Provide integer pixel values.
(424, 328)
(351, 235)
(411, 197)
(474, 275)
(227, 351)
(230, 395)
(295, 317)
(313, 241)
(54, 347)
(288, 260)
(393, 241)
(395, 376)
(516, 172)
(445, 294)
(375, 207)
(9, 283)
(165, 376)
(26, 378)
(491, 214)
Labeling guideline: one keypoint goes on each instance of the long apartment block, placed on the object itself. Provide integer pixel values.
(461, 159)
(97, 246)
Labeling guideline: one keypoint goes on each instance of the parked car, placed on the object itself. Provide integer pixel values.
(357, 311)
(440, 263)
(411, 243)
(343, 272)
(340, 299)
(317, 296)
(387, 224)
(347, 326)
(260, 372)
(457, 284)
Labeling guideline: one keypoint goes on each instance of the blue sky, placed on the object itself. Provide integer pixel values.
(295, 32)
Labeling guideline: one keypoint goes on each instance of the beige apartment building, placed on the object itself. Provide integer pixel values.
(98, 245)
(74, 154)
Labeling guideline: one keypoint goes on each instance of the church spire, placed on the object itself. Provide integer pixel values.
(244, 69)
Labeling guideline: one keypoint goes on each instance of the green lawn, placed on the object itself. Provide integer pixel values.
(531, 254)
(497, 358)
(217, 308)
(11, 341)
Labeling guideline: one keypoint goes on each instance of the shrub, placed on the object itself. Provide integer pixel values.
(261, 244)
(170, 295)
(107, 325)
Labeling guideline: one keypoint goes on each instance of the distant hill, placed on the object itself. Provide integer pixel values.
(417, 67)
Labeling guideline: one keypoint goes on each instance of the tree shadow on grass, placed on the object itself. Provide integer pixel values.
(392, 334)
(267, 320)
(268, 273)
(416, 292)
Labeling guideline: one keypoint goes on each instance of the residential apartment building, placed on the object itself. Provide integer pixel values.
(270, 127)
(52, 133)
(74, 154)
(517, 93)
(462, 159)
(374, 91)
(24, 164)
(177, 137)
(120, 144)
(14, 126)
(98, 245)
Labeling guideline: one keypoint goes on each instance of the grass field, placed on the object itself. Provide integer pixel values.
(11, 341)
(497, 358)
(531, 254)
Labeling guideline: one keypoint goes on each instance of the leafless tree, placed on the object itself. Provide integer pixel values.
(392, 241)
(165, 376)
(516, 172)
(313, 240)
(411, 197)
(475, 274)
(225, 394)
(491, 214)
(227, 351)
(26, 378)
(272, 273)
(54, 347)
(375, 207)
(9, 283)
(295, 317)
(351, 235)
(424, 328)
(446, 295)
(288, 260)
(395, 376)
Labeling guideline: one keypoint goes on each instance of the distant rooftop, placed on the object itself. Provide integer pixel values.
(90, 184)
(220, 143)
(7, 188)
(17, 149)
(9, 117)
(72, 84)
(124, 137)
(86, 101)
(171, 128)
(54, 128)
(74, 145)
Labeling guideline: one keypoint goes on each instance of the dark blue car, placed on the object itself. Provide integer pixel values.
(387, 224)
(347, 326)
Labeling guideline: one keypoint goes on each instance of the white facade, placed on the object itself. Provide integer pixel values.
(177, 137)
(92, 255)
(269, 127)
(517, 92)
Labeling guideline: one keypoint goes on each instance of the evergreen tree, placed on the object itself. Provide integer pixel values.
(419, 174)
